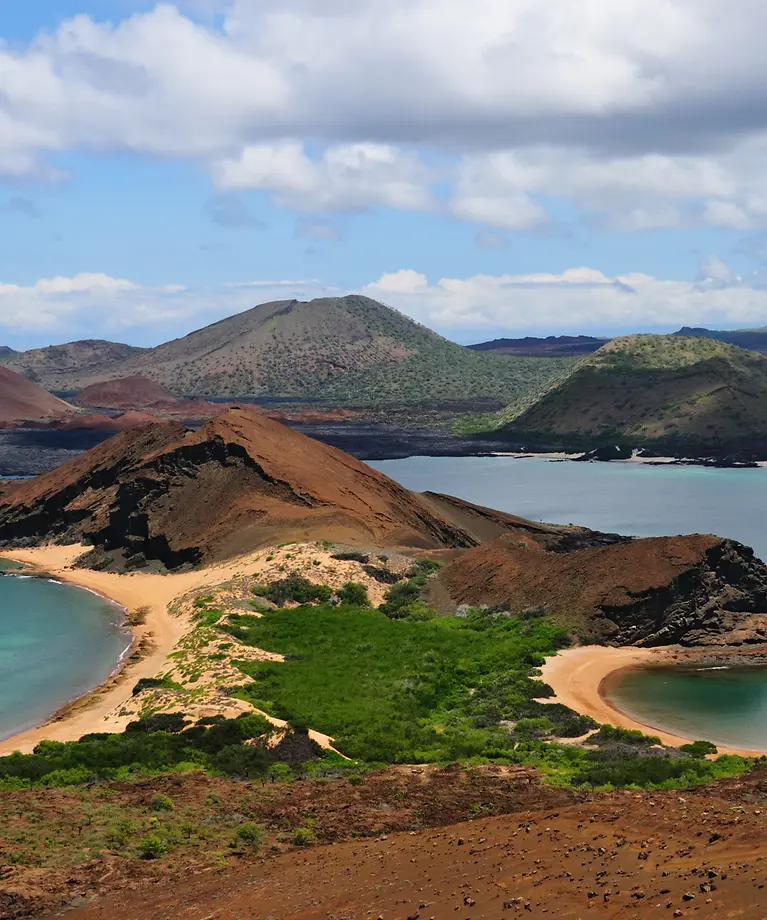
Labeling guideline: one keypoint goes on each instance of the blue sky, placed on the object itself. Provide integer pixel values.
(514, 168)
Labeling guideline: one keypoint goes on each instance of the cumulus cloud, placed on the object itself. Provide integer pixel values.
(323, 104)
(97, 305)
(577, 300)
(580, 299)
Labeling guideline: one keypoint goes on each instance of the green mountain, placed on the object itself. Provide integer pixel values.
(646, 388)
(344, 349)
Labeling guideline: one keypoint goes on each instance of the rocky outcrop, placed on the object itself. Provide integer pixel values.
(160, 493)
(692, 590)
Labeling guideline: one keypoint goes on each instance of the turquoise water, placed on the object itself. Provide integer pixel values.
(726, 706)
(56, 643)
(629, 498)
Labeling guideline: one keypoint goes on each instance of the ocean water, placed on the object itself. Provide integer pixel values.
(56, 643)
(628, 498)
(727, 706)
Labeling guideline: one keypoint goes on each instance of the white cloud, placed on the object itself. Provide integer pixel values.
(575, 300)
(344, 178)
(322, 104)
(579, 299)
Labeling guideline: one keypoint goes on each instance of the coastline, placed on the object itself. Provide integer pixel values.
(578, 677)
(153, 639)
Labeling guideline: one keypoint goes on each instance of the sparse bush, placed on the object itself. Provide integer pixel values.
(152, 847)
(354, 594)
(161, 802)
(249, 834)
(699, 748)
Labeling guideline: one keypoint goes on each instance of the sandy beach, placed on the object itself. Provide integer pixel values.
(577, 675)
(158, 635)
(111, 706)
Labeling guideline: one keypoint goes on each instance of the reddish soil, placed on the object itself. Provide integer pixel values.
(24, 401)
(241, 482)
(653, 591)
(631, 855)
(125, 393)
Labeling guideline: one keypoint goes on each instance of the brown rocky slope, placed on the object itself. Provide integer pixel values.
(24, 401)
(162, 493)
(125, 393)
(692, 590)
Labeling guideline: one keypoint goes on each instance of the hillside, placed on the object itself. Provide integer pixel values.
(125, 393)
(553, 346)
(178, 497)
(751, 339)
(55, 366)
(648, 388)
(24, 401)
(6, 352)
(693, 590)
(351, 349)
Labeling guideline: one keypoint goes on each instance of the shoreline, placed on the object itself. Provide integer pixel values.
(156, 632)
(578, 677)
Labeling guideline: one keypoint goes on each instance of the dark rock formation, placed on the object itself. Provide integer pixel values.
(693, 590)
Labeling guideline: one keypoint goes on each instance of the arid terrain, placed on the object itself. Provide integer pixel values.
(416, 842)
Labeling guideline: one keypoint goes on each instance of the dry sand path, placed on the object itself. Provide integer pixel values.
(577, 676)
(100, 710)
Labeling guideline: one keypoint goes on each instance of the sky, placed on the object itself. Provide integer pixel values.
(494, 168)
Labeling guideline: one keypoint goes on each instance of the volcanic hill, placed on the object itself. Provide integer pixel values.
(162, 493)
(645, 389)
(55, 366)
(345, 349)
(125, 393)
(24, 401)
(693, 590)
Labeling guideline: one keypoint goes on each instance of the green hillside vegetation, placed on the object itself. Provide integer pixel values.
(649, 388)
(350, 350)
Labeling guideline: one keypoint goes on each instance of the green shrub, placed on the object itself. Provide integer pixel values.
(304, 836)
(249, 834)
(152, 847)
(352, 556)
(699, 748)
(161, 802)
(294, 589)
(354, 594)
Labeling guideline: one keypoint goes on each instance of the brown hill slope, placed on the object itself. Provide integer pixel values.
(24, 401)
(695, 589)
(347, 349)
(162, 493)
(125, 393)
(655, 388)
(56, 365)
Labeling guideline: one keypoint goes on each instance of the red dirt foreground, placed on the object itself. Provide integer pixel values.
(625, 855)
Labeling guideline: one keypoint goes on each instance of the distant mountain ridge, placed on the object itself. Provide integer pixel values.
(55, 365)
(350, 350)
(751, 339)
(645, 389)
(553, 346)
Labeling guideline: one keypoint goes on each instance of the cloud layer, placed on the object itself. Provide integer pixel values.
(466, 309)
(644, 113)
